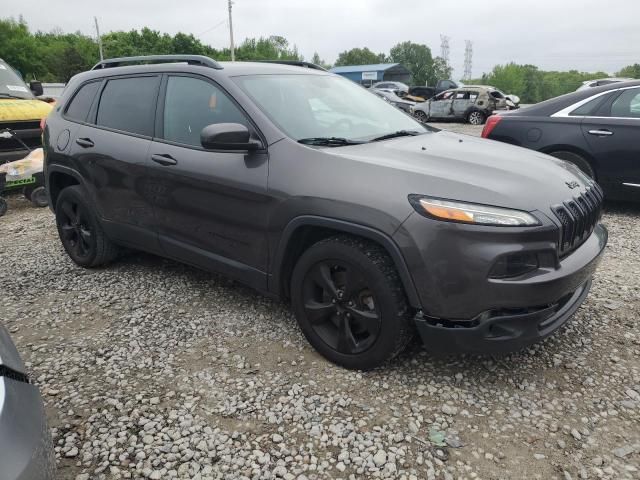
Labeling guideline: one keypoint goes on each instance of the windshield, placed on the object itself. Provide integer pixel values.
(11, 85)
(312, 106)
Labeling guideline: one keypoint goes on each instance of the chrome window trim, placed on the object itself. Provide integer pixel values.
(631, 185)
(565, 112)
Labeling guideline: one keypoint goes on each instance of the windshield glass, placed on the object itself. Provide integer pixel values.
(311, 106)
(11, 85)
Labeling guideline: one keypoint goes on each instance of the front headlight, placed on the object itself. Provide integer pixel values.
(472, 213)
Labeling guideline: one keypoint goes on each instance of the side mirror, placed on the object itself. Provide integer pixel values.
(228, 136)
(36, 87)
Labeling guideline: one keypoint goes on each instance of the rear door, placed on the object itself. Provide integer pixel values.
(462, 101)
(613, 134)
(211, 206)
(110, 152)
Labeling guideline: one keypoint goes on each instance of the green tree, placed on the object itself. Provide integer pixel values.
(440, 71)
(319, 61)
(631, 71)
(416, 57)
(360, 56)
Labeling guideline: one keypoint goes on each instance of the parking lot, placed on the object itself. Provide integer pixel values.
(151, 369)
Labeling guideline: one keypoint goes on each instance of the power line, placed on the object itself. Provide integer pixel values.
(212, 28)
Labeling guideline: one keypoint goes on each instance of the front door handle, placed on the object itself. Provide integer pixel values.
(164, 160)
(85, 142)
(601, 133)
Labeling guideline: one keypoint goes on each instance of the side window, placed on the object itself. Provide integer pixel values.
(590, 107)
(462, 95)
(80, 104)
(129, 104)
(191, 104)
(627, 105)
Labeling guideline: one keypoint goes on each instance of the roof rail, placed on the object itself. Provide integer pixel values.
(296, 63)
(190, 59)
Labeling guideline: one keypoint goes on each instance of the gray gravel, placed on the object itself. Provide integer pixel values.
(151, 369)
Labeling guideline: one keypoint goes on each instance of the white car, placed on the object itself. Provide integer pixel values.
(602, 81)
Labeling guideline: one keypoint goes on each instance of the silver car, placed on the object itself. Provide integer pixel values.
(26, 451)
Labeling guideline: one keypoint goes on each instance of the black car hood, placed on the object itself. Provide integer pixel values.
(461, 167)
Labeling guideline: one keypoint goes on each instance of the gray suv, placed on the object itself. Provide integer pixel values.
(304, 186)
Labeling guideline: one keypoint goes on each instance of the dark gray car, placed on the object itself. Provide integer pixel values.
(26, 452)
(306, 187)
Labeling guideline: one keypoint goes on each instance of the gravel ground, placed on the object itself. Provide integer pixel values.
(151, 369)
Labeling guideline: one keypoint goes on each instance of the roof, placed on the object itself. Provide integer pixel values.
(377, 67)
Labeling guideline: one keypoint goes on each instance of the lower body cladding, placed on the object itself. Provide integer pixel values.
(469, 305)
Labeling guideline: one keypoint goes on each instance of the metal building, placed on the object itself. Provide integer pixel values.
(370, 74)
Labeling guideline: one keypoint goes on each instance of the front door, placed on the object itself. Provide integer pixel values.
(613, 137)
(440, 105)
(210, 206)
(110, 151)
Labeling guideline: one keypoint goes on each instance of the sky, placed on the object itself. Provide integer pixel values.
(586, 35)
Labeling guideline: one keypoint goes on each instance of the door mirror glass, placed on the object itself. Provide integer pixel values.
(36, 87)
(228, 136)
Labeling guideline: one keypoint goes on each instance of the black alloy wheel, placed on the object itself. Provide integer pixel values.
(340, 307)
(75, 230)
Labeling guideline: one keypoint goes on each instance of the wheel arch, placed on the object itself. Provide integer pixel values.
(302, 232)
(58, 178)
(549, 149)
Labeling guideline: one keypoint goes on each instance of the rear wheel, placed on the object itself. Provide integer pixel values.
(39, 198)
(577, 160)
(476, 118)
(3, 206)
(80, 231)
(350, 303)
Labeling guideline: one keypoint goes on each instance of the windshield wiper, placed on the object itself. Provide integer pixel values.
(329, 141)
(399, 133)
(10, 95)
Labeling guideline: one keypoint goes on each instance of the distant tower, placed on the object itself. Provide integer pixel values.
(444, 48)
(468, 59)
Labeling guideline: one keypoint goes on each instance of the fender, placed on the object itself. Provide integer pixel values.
(55, 168)
(377, 236)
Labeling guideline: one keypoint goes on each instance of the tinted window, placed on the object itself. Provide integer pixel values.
(191, 104)
(79, 107)
(129, 104)
(590, 107)
(627, 105)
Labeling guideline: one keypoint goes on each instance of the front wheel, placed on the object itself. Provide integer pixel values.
(3, 206)
(476, 118)
(350, 303)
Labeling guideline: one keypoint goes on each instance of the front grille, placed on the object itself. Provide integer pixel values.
(20, 125)
(29, 132)
(578, 217)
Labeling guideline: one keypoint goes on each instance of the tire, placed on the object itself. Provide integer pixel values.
(3, 206)
(577, 160)
(27, 192)
(39, 198)
(80, 231)
(349, 302)
(421, 116)
(476, 118)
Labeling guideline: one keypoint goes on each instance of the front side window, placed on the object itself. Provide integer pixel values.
(79, 107)
(192, 104)
(307, 106)
(627, 105)
(129, 104)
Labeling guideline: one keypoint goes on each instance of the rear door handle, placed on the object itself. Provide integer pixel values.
(85, 142)
(164, 160)
(601, 133)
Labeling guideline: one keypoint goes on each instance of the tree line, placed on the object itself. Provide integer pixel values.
(57, 56)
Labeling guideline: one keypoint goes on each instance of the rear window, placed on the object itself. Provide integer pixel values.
(129, 104)
(80, 104)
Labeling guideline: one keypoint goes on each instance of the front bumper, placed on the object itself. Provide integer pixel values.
(502, 332)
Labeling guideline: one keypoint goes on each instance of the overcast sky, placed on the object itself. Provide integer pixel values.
(587, 35)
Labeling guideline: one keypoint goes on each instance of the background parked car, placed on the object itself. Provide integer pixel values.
(25, 445)
(393, 86)
(425, 93)
(470, 104)
(601, 82)
(399, 102)
(596, 129)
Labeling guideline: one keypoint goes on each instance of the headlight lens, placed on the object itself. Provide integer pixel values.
(472, 213)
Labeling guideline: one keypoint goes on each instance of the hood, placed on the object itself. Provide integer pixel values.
(461, 167)
(19, 110)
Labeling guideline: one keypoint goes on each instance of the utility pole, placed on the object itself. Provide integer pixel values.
(233, 53)
(468, 59)
(99, 38)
